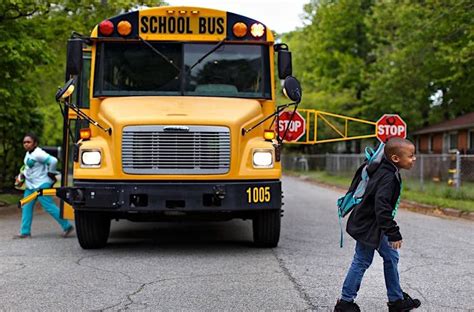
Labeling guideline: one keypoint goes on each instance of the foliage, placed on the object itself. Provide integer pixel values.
(422, 48)
(21, 51)
(33, 49)
(10, 199)
(364, 58)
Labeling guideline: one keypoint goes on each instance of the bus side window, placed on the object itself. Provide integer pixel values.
(85, 80)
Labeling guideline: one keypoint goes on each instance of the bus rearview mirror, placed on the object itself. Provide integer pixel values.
(284, 64)
(74, 57)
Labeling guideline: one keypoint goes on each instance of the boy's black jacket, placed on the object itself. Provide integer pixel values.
(373, 216)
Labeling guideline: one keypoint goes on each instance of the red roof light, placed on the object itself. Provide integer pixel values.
(106, 28)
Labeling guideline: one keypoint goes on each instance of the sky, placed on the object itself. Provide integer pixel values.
(278, 15)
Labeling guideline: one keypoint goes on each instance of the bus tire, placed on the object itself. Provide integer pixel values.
(266, 228)
(92, 229)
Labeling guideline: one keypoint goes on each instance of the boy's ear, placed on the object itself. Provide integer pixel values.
(395, 158)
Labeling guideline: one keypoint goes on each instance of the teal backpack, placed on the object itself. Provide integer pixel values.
(356, 191)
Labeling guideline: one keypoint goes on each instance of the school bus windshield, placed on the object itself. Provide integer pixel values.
(133, 69)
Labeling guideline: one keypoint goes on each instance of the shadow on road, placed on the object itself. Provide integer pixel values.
(181, 235)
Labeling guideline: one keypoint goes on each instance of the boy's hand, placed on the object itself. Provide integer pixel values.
(396, 245)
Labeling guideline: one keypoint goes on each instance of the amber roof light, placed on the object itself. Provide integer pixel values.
(239, 29)
(124, 28)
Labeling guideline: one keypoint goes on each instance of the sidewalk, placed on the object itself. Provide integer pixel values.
(6, 210)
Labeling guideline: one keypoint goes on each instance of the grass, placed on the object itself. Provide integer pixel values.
(10, 199)
(434, 194)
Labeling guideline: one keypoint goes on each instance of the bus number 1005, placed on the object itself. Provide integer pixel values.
(258, 194)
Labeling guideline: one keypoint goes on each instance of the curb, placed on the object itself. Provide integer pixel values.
(9, 210)
(405, 204)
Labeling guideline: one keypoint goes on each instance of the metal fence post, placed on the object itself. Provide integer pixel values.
(457, 175)
(422, 172)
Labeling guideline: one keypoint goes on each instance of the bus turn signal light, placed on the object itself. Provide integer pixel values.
(239, 29)
(124, 28)
(269, 135)
(85, 133)
(106, 28)
(257, 30)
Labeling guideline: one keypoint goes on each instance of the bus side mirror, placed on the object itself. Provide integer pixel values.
(292, 89)
(284, 60)
(66, 91)
(74, 57)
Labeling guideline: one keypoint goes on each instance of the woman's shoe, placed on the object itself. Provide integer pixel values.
(20, 236)
(68, 231)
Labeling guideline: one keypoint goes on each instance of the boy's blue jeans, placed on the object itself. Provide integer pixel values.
(48, 205)
(362, 259)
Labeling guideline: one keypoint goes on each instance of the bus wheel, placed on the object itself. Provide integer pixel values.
(266, 228)
(92, 229)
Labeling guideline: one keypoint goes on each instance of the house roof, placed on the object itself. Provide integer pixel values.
(462, 122)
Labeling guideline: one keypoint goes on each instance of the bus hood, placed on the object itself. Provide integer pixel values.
(120, 112)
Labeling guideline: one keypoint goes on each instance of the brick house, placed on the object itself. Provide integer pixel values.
(447, 136)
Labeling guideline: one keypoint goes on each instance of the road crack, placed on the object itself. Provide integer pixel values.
(134, 293)
(298, 287)
(425, 301)
(142, 286)
(22, 266)
(78, 262)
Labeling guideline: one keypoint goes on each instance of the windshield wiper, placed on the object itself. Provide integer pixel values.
(214, 49)
(160, 54)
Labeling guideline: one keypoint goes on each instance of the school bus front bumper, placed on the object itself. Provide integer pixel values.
(173, 196)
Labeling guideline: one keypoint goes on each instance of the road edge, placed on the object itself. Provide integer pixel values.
(405, 204)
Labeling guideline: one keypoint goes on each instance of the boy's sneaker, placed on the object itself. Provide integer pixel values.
(68, 231)
(402, 305)
(346, 306)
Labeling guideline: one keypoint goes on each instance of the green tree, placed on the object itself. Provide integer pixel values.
(331, 53)
(32, 63)
(21, 51)
(422, 49)
(364, 58)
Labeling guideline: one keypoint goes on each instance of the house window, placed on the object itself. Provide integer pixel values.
(430, 143)
(453, 141)
(470, 139)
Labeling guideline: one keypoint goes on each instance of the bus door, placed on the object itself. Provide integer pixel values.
(72, 125)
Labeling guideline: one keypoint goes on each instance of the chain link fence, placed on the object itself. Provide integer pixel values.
(451, 169)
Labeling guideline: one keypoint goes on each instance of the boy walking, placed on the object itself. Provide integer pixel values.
(372, 225)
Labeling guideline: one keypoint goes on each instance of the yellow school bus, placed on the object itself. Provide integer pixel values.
(171, 120)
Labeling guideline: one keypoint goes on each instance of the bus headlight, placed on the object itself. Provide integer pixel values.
(90, 158)
(263, 159)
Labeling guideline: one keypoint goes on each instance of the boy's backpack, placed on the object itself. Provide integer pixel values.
(356, 191)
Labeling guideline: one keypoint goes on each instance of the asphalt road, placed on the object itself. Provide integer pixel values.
(213, 266)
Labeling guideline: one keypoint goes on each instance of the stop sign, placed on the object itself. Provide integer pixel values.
(389, 126)
(296, 128)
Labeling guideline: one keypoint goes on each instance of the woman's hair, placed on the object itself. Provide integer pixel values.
(33, 136)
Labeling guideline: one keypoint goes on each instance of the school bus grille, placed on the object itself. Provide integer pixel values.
(175, 150)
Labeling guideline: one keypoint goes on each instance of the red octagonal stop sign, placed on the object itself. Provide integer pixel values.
(389, 126)
(296, 129)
